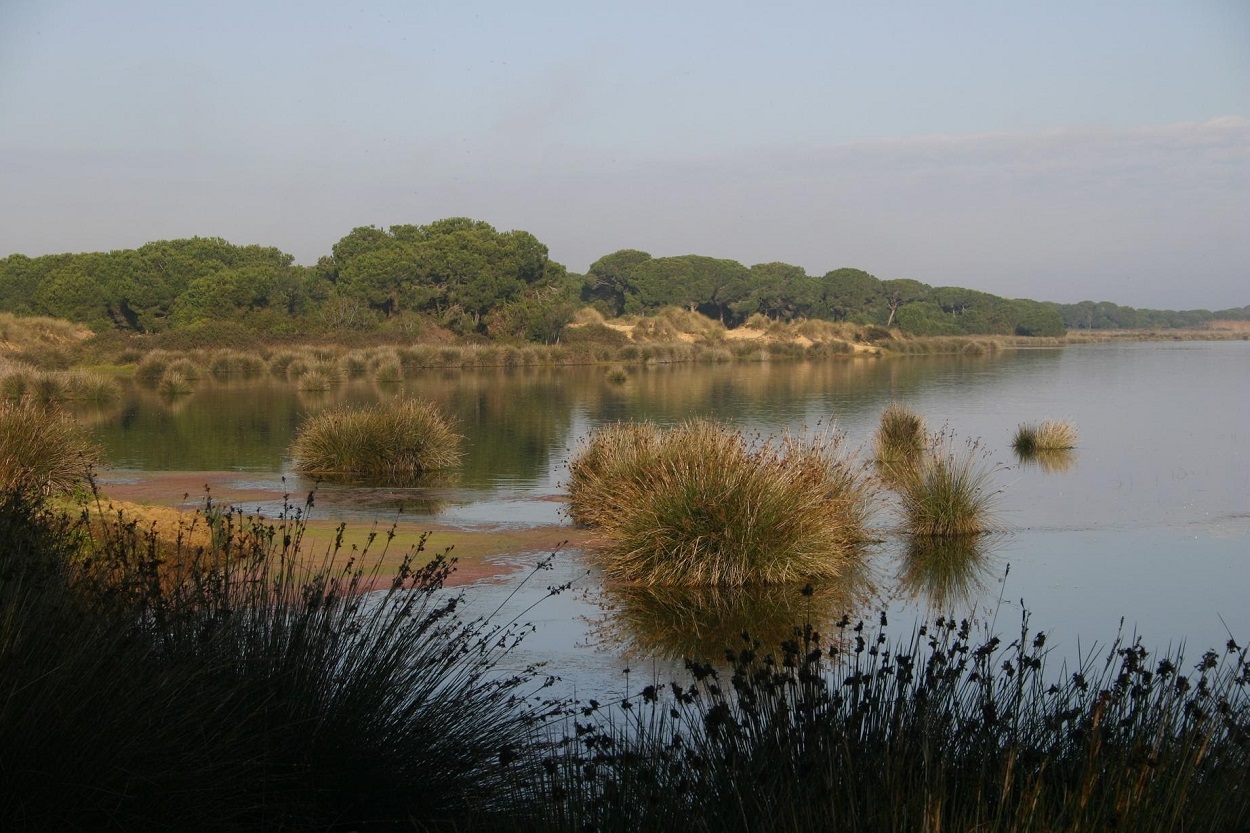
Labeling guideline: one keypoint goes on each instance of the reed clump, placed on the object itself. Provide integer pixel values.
(254, 687)
(1049, 435)
(900, 436)
(697, 504)
(949, 491)
(42, 450)
(392, 443)
(946, 730)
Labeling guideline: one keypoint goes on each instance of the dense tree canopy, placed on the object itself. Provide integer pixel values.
(465, 275)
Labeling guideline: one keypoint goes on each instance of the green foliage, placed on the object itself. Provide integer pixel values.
(394, 443)
(696, 505)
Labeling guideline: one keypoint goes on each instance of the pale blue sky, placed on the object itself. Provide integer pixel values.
(1056, 150)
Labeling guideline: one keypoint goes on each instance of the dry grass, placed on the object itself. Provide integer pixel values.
(900, 437)
(697, 505)
(1050, 435)
(949, 492)
(394, 443)
(42, 450)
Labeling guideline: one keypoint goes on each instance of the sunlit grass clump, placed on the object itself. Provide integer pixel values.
(42, 450)
(900, 437)
(950, 491)
(392, 443)
(698, 505)
(1050, 435)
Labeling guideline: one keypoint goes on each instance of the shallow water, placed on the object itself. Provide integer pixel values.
(1150, 521)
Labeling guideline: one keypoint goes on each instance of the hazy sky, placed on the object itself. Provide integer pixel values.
(1058, 150)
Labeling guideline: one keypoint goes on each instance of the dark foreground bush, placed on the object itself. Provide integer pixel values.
(394, 443)
(698, 505)
(939, 732)
(243, 689)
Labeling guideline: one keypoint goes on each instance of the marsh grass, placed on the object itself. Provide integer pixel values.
(940, 731)
(42, 450)
(20, 383)
(950, 491)
(899, 438)
(616, 375)
(697, 504)
(1049, 435)
(250, 686)
(393, 443)
(174, 383)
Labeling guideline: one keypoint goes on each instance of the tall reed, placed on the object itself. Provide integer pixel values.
(942, 731)
(257, 687)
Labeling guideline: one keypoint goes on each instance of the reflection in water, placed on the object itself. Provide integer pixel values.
(425, 495)
(702, 622)
(951, 573)
(1050, 461)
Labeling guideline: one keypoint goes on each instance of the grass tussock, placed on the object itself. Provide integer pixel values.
(22, 383)
(900, 436)
(949, 491)
(1050, 435)
(42, 450)
(392, 443)
(697, 504)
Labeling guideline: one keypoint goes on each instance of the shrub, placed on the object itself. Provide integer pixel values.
(696, 505)
(392, 443)
(948, 491)
(42, 450)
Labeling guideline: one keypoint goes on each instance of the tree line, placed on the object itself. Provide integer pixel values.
(472, 279)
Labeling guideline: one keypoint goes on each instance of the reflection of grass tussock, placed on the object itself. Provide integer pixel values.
(391, 443)
(42, 450)
(1053, 461)
(1050, 435)
(702, 622)
(948, 491)
(949, 572)
(698, 505)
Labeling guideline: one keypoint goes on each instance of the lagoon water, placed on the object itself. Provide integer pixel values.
(1149, 521)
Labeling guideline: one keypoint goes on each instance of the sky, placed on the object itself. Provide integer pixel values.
(1062, 150)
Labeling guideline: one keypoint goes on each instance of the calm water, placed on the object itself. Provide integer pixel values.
(1150, 521)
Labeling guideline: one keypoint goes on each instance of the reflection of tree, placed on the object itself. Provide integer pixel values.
(702, 622)
(950, 572)
(1050, 461)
